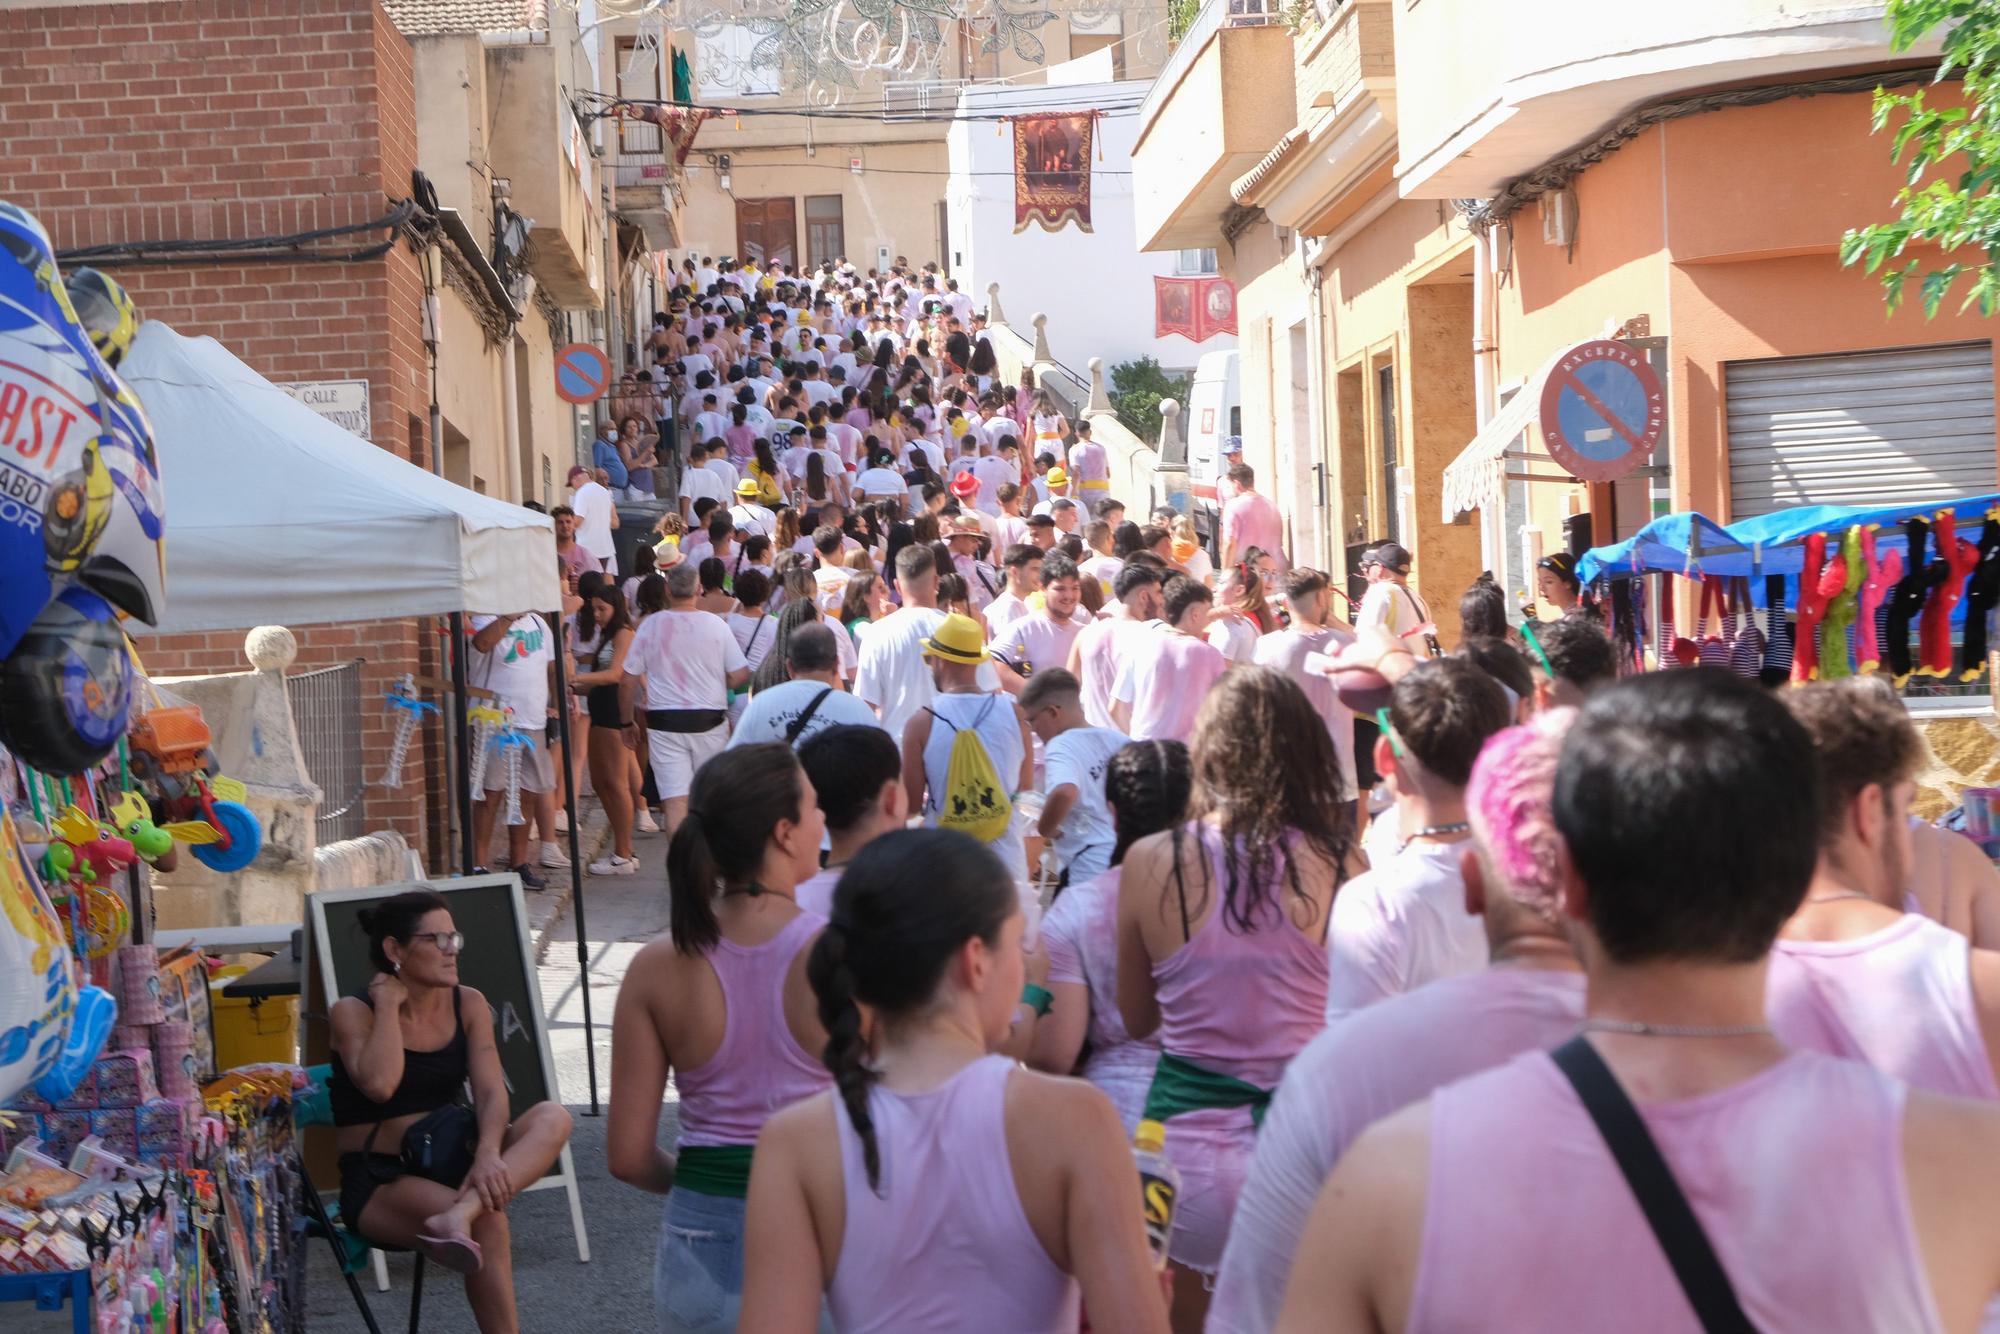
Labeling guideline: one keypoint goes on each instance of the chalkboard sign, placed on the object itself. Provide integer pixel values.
(487, 910)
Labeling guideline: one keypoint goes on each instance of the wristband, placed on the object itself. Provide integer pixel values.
(1038, 999)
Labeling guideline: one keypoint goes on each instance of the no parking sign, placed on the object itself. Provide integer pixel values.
(1603, 410)
(582, 373)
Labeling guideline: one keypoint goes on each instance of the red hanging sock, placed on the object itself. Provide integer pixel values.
(1958, 558)
(1813, 597)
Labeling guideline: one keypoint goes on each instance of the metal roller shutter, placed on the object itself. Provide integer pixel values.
(1901, 426)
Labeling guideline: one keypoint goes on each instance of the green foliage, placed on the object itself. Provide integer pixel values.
(1136, 390)
(1180, 17)
(1955, 214)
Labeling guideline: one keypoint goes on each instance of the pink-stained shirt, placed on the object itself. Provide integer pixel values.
(1239, 1003)
(1081, 935)
(742, 441)
(760, 1067)
(1088, 462)
(1165, 676)
(1100, 651)
(1351, 1076)
(1040, 641)
(1899, 998)
(943, 1244)
(1796, 1175)
(1251, 520)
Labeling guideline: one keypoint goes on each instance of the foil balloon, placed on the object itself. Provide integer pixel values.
(81, 514)
(50, 1031)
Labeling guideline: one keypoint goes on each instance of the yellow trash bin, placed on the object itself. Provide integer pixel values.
(252, 1032)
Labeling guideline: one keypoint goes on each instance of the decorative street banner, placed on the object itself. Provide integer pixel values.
(679, 125)
(1195, 308)
(1052, 169)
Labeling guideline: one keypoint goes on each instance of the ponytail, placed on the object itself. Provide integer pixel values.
(846, 1051)
(737, 800)
(905, 905)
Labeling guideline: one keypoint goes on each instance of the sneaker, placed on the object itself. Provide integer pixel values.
(643, 822)
(554, 858)
(530, 881)
(562, 820)
(615, 865)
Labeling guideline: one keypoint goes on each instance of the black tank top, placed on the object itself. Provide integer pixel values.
(431, 1079)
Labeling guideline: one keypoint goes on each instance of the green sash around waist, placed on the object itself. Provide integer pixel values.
(714, 1169)
(1179, 1085)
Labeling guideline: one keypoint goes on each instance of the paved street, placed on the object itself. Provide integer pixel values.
(614, 1292)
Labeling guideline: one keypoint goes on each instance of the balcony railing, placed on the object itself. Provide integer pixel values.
(1214, 14)
(919, 99)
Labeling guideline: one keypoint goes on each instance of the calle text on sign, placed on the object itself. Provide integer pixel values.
(342, 402)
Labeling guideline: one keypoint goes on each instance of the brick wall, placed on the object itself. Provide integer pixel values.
(235, 119)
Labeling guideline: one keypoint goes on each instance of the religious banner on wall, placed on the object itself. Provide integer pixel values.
(1052, 169)
(1195, 308)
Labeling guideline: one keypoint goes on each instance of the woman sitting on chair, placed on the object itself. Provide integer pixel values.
(419, 1170)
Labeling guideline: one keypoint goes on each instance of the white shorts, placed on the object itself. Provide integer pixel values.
(676, 755)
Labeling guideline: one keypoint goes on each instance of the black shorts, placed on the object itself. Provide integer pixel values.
(360, 1175)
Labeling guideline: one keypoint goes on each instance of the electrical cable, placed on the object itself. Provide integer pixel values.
(289, 249)
(606, 107)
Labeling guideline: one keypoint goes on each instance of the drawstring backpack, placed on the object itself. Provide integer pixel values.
(975, 801)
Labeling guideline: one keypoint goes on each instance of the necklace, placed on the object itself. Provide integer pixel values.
(1637, 1029)
(755, 891)
(1437, 831)
(1843, 894)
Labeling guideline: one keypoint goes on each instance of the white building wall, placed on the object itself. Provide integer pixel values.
(1096, 287)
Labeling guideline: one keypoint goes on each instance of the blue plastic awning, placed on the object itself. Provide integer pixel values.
(1693, 544)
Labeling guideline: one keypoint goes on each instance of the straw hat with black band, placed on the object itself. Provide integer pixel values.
(958, 639)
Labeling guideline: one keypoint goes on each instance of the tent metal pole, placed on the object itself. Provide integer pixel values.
(462, 746)
(575, 856)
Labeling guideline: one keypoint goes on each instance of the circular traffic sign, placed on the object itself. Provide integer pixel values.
(583, 373)
(1602, 410)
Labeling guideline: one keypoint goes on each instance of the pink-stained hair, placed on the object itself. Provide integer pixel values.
(1509, 803)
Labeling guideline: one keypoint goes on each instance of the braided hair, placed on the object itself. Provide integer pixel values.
(1146, 785)
(905, 905)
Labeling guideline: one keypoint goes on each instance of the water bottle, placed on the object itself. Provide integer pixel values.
(1159, 1187)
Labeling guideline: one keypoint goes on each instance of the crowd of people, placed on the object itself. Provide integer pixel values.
(1474, 987)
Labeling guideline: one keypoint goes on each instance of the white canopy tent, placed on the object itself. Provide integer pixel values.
(276, 516)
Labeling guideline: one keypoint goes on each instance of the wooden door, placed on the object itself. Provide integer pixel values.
(767, 231)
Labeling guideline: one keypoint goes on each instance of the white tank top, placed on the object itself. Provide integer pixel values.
(991, 716)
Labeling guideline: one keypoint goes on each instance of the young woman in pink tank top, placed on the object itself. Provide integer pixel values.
(723, 1003)
(939, 1187)
(1222, 943)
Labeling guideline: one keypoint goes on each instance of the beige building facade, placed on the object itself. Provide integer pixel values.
(1414, 244)
(866, 181)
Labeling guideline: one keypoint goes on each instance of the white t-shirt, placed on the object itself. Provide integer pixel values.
(1391, 606)
(753, 520)
(754, 635)
(879, 483)
(710, 425)
(1286, 651)
(892, 673)
(1079, 757)
(1398, 925)
(1234, 637)
(517, 669)
(993, 473)
(686, 658)
(771, 711)
(593, 507)
(725, 472)
(699, 482)
(1002, 612)
(819, 391)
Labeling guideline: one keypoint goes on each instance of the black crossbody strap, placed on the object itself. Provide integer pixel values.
(798, 724)
(1667, 1211)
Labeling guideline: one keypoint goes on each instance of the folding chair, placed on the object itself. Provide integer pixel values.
(350, 1252)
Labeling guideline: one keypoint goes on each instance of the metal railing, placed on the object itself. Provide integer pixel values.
(326, 713)
(919, 99)
(1213, 15)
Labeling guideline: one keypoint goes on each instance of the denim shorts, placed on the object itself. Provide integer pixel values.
(698, 1270)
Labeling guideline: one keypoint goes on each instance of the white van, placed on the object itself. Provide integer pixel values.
(1215, 412)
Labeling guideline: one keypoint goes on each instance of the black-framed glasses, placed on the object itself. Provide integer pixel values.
(447, 942)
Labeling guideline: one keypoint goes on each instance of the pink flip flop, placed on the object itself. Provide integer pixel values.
(458, 1253)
